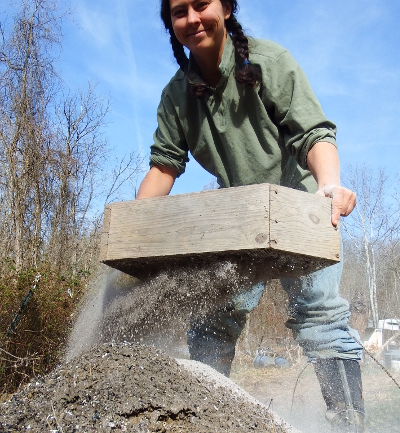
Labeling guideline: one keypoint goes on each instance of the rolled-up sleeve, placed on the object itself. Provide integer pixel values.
(170, 147)
(296, 109)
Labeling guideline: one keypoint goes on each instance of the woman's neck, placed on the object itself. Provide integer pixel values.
(208, 64)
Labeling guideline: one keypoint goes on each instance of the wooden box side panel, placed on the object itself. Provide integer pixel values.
(301, 223)
(229, 219)
(105, 233)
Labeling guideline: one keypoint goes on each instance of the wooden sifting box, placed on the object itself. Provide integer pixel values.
(268, 230)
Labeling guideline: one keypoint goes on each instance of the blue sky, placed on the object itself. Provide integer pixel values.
(349, 50)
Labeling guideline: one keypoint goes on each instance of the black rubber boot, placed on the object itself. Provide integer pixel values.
(212, 339)
(341, 387)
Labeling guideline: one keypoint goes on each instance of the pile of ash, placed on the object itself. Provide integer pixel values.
(133, 388)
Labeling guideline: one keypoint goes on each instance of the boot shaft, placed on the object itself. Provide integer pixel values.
(341, 387)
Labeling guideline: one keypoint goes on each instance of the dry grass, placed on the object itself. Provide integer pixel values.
(275, 387)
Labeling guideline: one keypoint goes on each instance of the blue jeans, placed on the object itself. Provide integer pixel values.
(318, 318)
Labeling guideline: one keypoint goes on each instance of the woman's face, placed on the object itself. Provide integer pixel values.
(199, 25)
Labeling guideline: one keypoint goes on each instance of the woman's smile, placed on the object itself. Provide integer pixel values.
(199, 32)
(199, 25)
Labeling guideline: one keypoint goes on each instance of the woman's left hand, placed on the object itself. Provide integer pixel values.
(343, 200)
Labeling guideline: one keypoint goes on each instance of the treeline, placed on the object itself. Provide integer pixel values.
(356, 285)
(55, 175)
(372, 243)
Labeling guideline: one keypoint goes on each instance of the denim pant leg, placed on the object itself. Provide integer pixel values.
(212, 339)
(318, 316)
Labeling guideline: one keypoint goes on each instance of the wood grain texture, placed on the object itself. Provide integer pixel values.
(266, 229)
(105, 233)
(232, 219)
(300, 223)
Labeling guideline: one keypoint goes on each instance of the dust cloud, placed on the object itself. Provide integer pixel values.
(156, 311)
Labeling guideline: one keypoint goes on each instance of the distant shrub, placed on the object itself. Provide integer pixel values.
(33, 347)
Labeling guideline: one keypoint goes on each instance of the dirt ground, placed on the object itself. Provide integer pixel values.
(295, 396)
(133, 388)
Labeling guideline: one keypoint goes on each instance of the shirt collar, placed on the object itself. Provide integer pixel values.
(226, 66)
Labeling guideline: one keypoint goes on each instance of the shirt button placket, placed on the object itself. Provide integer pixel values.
(221, 113)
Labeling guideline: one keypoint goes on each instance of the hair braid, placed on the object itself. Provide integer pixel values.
(177, 47)
(246, 73)
(179, 52)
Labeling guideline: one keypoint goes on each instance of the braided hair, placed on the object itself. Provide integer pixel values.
(246, 73)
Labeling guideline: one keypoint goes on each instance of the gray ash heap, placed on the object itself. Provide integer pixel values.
(132, 388)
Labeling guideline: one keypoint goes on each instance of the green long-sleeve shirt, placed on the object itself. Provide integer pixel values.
(243, 135)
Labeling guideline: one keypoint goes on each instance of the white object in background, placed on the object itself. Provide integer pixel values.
(390, 324)
(395, 365)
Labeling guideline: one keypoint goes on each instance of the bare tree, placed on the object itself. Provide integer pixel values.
(372, 224)
(26, 85)
(390, 264)
(53, 151)
(79, 152)
(125, 171)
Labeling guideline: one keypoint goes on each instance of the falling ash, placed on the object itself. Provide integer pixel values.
(154, 311)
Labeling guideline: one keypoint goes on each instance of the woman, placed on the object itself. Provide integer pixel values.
(245, 111)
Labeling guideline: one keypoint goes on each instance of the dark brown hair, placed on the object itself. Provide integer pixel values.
(246, 73)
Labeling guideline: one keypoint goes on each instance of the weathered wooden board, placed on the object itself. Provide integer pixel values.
(272, 230)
